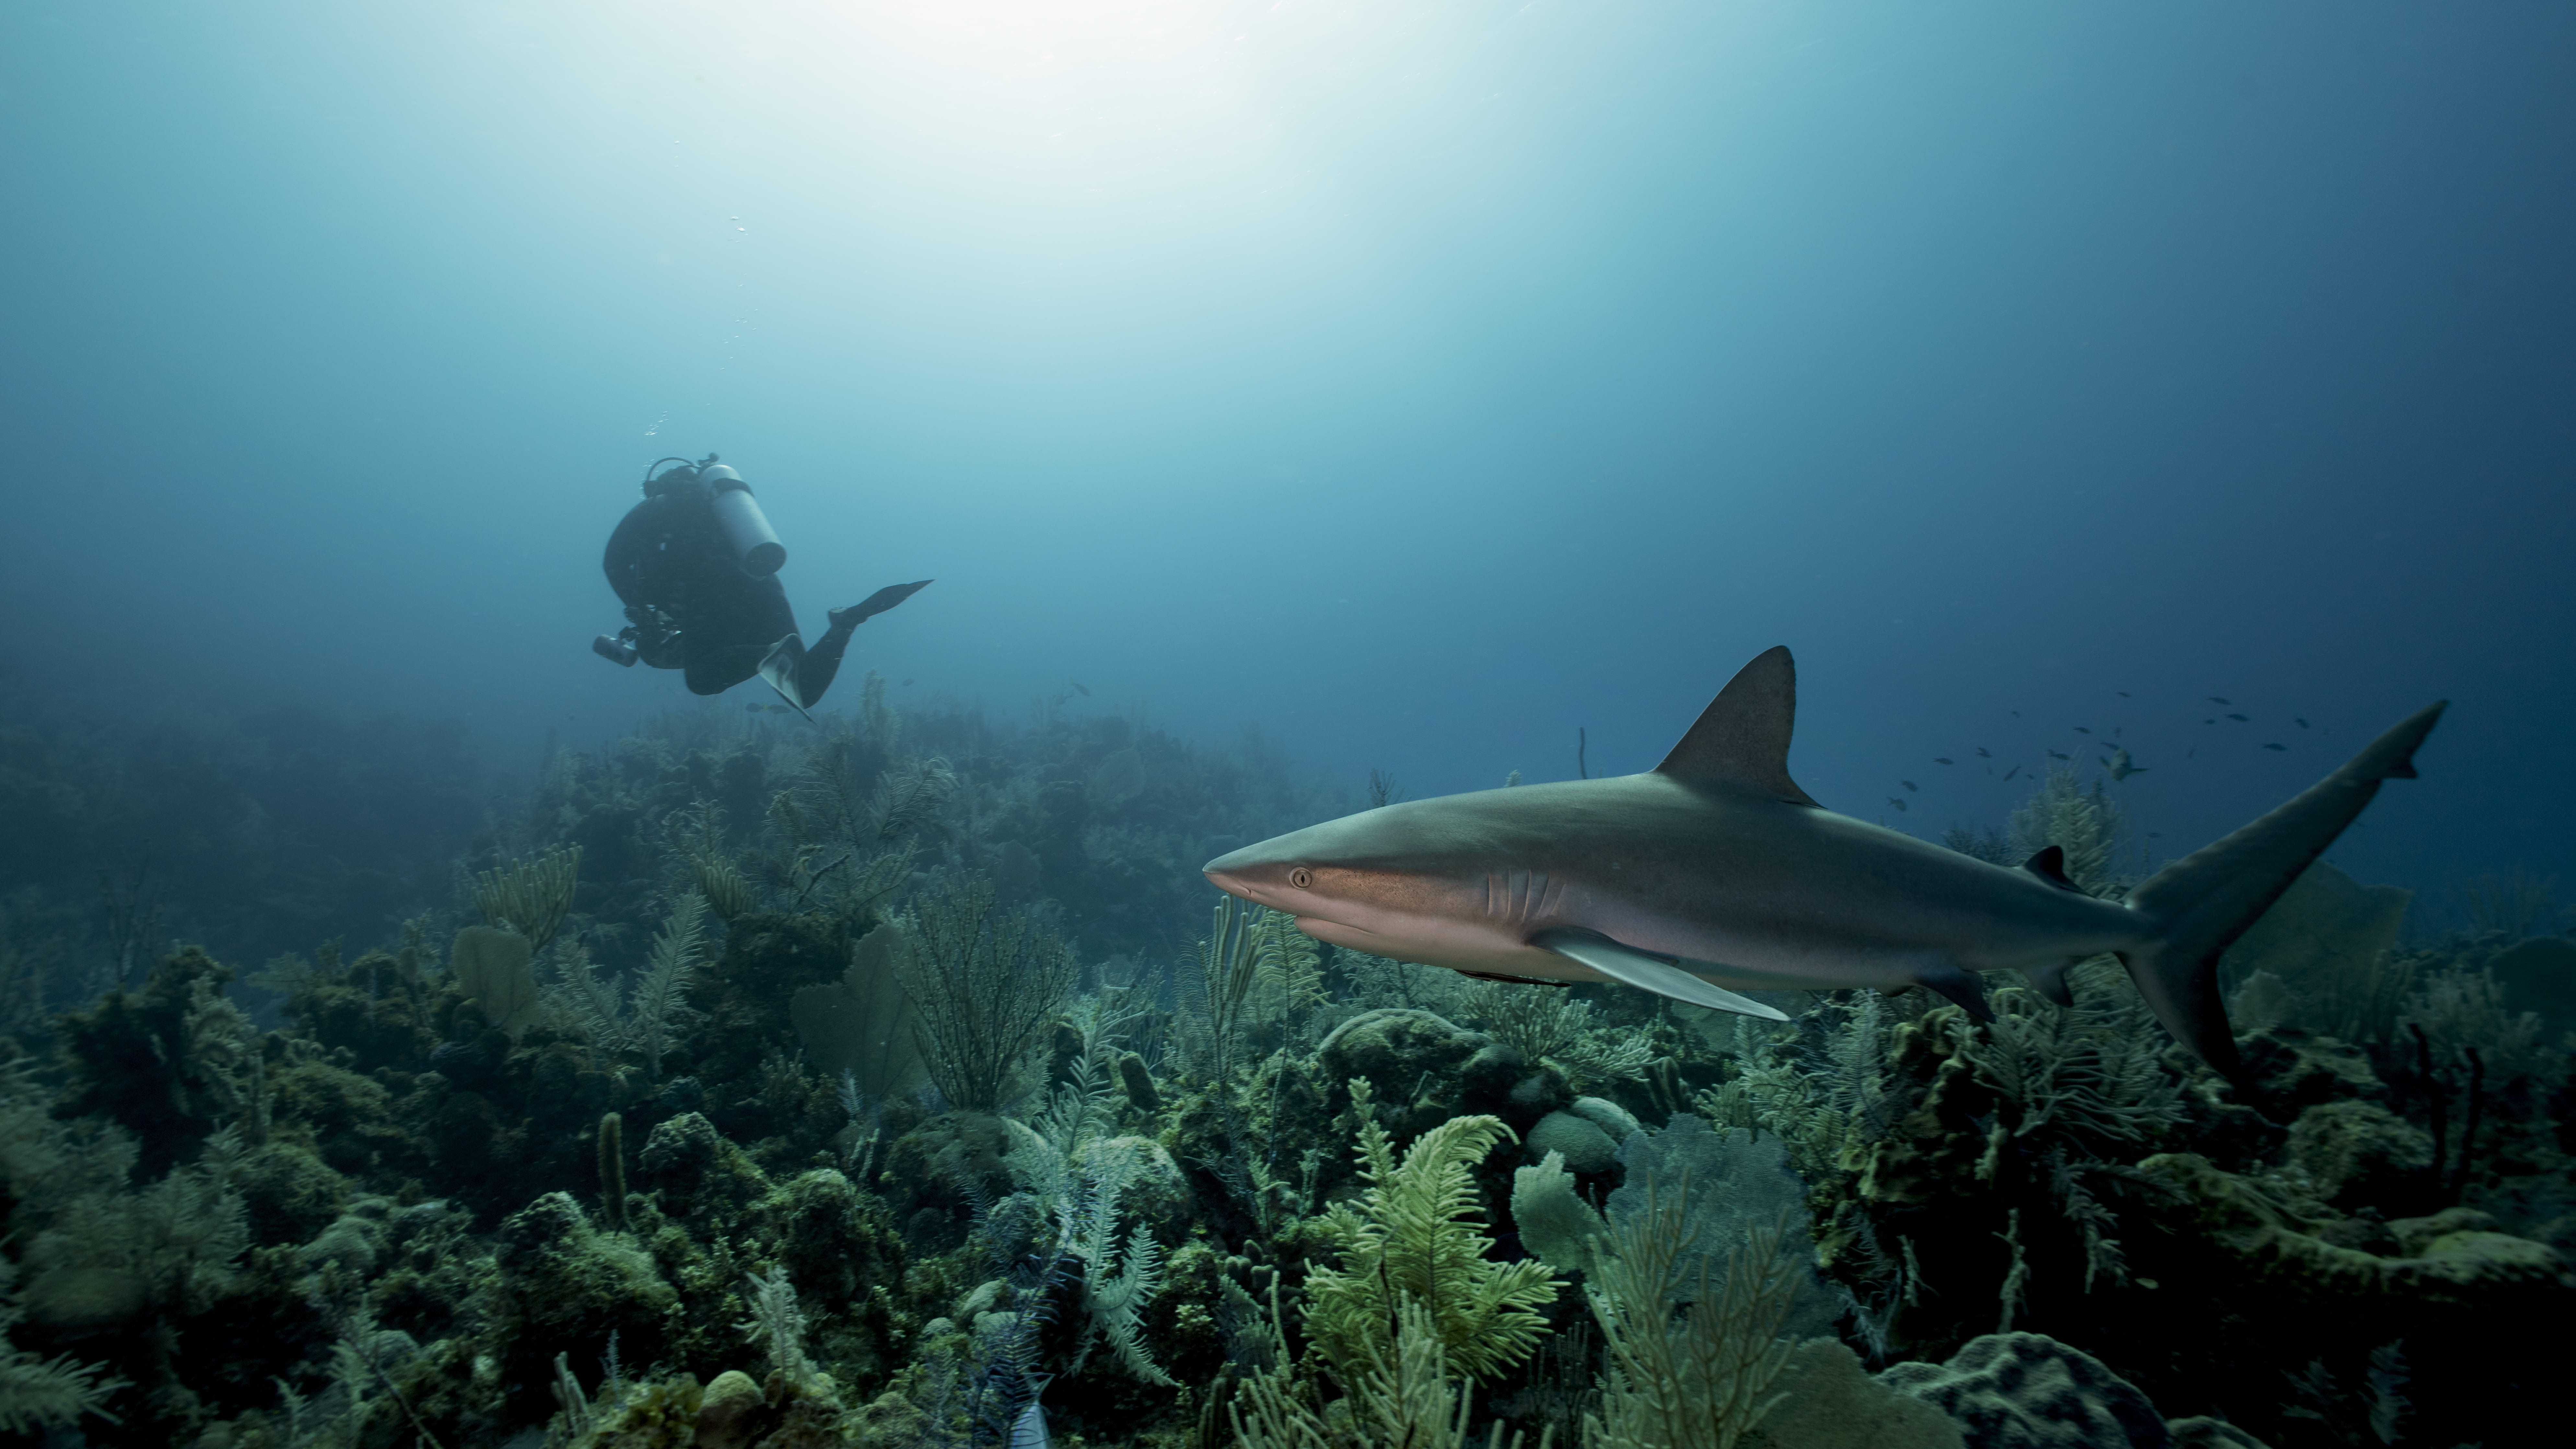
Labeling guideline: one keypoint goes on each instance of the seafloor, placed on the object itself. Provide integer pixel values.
(897, 1081)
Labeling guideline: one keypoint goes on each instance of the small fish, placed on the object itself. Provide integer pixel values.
(2016, 714)
(1941, 759)
(2081, 730)
(2294, 719)
(2187, 754)
(2285, 749)
(907, 684)
(755, 708)
(2214, 699)
(1078, 689)
(2240, 719)
(2155, 835)
(2121, 766)
(2124, 694)
(1897, 801)
(1910, 785)
(2209, 721)
(2054, 755)
(1981, 753)
(2015, 770)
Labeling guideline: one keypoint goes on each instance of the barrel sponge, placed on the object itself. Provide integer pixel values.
(2028, 1391)
(1607, 1115)
(1583, 1147)
(1830, 1402)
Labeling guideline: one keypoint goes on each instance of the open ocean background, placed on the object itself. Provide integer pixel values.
(1415, 383)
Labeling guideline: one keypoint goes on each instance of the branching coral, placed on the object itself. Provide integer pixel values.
(1543, 1024)
(697, 836)
(1253, 958)
(2460, 1008)
(1082, 1179)
(1403, 1398)
(650, 1022)
(777, 1322)
(1693, 1348)
(38, 1393)
(1382, 981)
(984, 980)
(863, 848)
(175, 1244)
(530, 895)
(1411, 1237)
(2092, 1072)
(1823, 1092)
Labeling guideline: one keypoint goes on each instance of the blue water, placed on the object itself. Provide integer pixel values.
(1418, 383)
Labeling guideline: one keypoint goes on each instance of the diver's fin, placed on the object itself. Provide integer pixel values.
(1742, 738)
(2050, 865)
(779, 671)
(1960, 987)
(2201, 903)
(2050, 978)
(1635, 968)
(877, 603)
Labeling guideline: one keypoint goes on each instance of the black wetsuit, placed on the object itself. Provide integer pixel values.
(669, 554)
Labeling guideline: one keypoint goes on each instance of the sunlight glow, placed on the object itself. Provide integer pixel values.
(1008, 32)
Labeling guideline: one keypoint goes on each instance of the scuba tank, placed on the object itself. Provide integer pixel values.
(745, 527)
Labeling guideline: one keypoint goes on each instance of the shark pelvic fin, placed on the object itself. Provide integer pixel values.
(1742, 738)
(1960, 987)
(1646, 973)
(2050, 978)
(2050, 865)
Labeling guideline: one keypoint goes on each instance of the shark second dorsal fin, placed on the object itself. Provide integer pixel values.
(1742, 738)
(2050, 865)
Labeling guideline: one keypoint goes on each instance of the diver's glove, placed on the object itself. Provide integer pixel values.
(875, 604)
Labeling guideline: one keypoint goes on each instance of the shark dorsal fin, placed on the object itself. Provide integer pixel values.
(2050, 865)
(1742, 738)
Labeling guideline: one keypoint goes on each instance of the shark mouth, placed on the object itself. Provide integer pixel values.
(1331, 932)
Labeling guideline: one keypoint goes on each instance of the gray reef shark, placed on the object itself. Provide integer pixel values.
(1714, 870)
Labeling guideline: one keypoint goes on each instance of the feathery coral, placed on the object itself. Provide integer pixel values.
(1411, 1238)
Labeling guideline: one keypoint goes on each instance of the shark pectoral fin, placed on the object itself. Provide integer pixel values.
(1960, 987)
(1635, 968)
(2050, 978)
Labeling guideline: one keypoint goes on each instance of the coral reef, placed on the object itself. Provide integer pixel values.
(892, 1080)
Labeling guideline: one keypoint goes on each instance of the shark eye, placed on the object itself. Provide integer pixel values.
(1301, 878)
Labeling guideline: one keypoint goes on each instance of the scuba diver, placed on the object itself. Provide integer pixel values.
(696, 564)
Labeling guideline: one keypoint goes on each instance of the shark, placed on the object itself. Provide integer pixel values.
(1714, 874)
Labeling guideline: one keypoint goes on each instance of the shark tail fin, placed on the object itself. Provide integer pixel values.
(2201, 903)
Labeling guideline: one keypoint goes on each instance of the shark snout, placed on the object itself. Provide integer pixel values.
(1233, 874)
(1261, 874)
